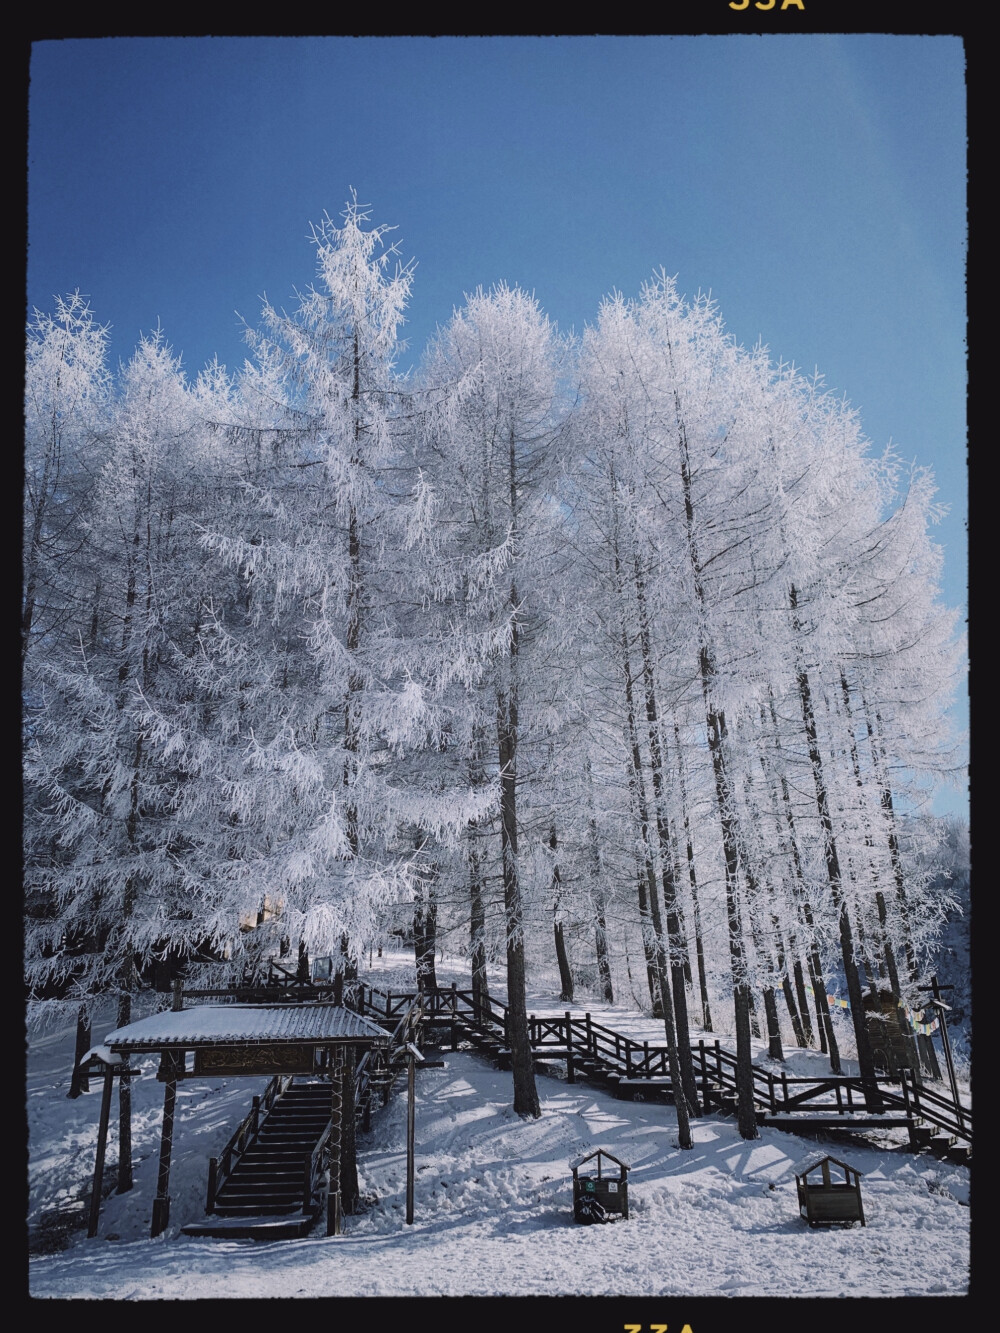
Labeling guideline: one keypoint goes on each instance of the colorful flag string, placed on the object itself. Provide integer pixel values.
(915, 1019)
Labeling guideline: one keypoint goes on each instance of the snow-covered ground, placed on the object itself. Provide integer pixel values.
(493, 1198)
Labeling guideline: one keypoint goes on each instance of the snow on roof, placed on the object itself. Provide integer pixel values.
(597, 1152)
(211, 1024)
(100, 1053)
(807, 1164)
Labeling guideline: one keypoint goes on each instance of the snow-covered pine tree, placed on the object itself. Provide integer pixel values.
(494, 371)
(330, 814)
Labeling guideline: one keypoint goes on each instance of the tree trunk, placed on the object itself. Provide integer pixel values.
(803, 1002)
(525, 1093)
(425, 937)
(758, 896)
(477, 907)
(706, 1013)
(646, 932)
(786, 985)
(597, 894)
(565, 973)
(715, 723)
(828, 1038)
(78, 1080)
(677, 1081)
(480, 983)
(675, 943)
(562, 957)
(774, 1049)
(880, 903)
(866, 1063)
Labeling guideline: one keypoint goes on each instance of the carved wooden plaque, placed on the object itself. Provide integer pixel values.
(263, 1059)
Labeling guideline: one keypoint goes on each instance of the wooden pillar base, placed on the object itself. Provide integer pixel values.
(333, 1214)
(161, 1216)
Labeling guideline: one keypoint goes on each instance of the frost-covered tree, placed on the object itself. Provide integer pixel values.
(329, 812)
(662, 669)
(493, 370)
(65, 401)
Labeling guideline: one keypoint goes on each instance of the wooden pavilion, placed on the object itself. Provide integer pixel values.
(223, 1040)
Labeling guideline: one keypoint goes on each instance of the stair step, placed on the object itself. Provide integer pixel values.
(256, 1210)
(260, 1203)
(259, 1228)
(941, 1144)
(267, 1176)
(291, 1133)
(279, 1151)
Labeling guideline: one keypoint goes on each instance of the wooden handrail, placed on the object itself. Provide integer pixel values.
(635, 1059)
(221, 1167)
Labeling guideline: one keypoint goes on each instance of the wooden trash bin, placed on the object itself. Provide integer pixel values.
(600, 1197)
(824, 1201)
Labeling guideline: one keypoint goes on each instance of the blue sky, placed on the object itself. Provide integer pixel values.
(815, 184)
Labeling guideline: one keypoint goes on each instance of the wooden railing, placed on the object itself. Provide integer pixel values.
(220, 1168)
(314, 1169)
(935, 1109)
(576, 1039)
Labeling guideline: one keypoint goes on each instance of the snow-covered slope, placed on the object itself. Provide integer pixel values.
(494, 1201)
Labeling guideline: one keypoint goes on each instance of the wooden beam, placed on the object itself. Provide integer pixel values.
(333, 1201)
(161, 1204)
(102, 1143)
(410, 1117)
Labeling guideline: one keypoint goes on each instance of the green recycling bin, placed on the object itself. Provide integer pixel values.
(600, 1196)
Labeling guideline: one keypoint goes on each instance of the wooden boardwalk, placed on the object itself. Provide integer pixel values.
(639, 1069)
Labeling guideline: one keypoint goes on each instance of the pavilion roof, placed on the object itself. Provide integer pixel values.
(226, 1024)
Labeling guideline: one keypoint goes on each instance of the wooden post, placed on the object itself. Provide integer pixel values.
(941, 1008)
(570, 1061)
(410, 1118)
(161, 1204)
(178, 1001)
(102, 1143)
(333, 1205)
(349, 1189)
(213, 1180)
(454, 1013)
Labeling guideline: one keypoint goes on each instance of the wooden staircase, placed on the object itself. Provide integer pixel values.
(268, 1183)
(267, 1192)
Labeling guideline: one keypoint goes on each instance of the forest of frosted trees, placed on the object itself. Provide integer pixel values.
(620, 655)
